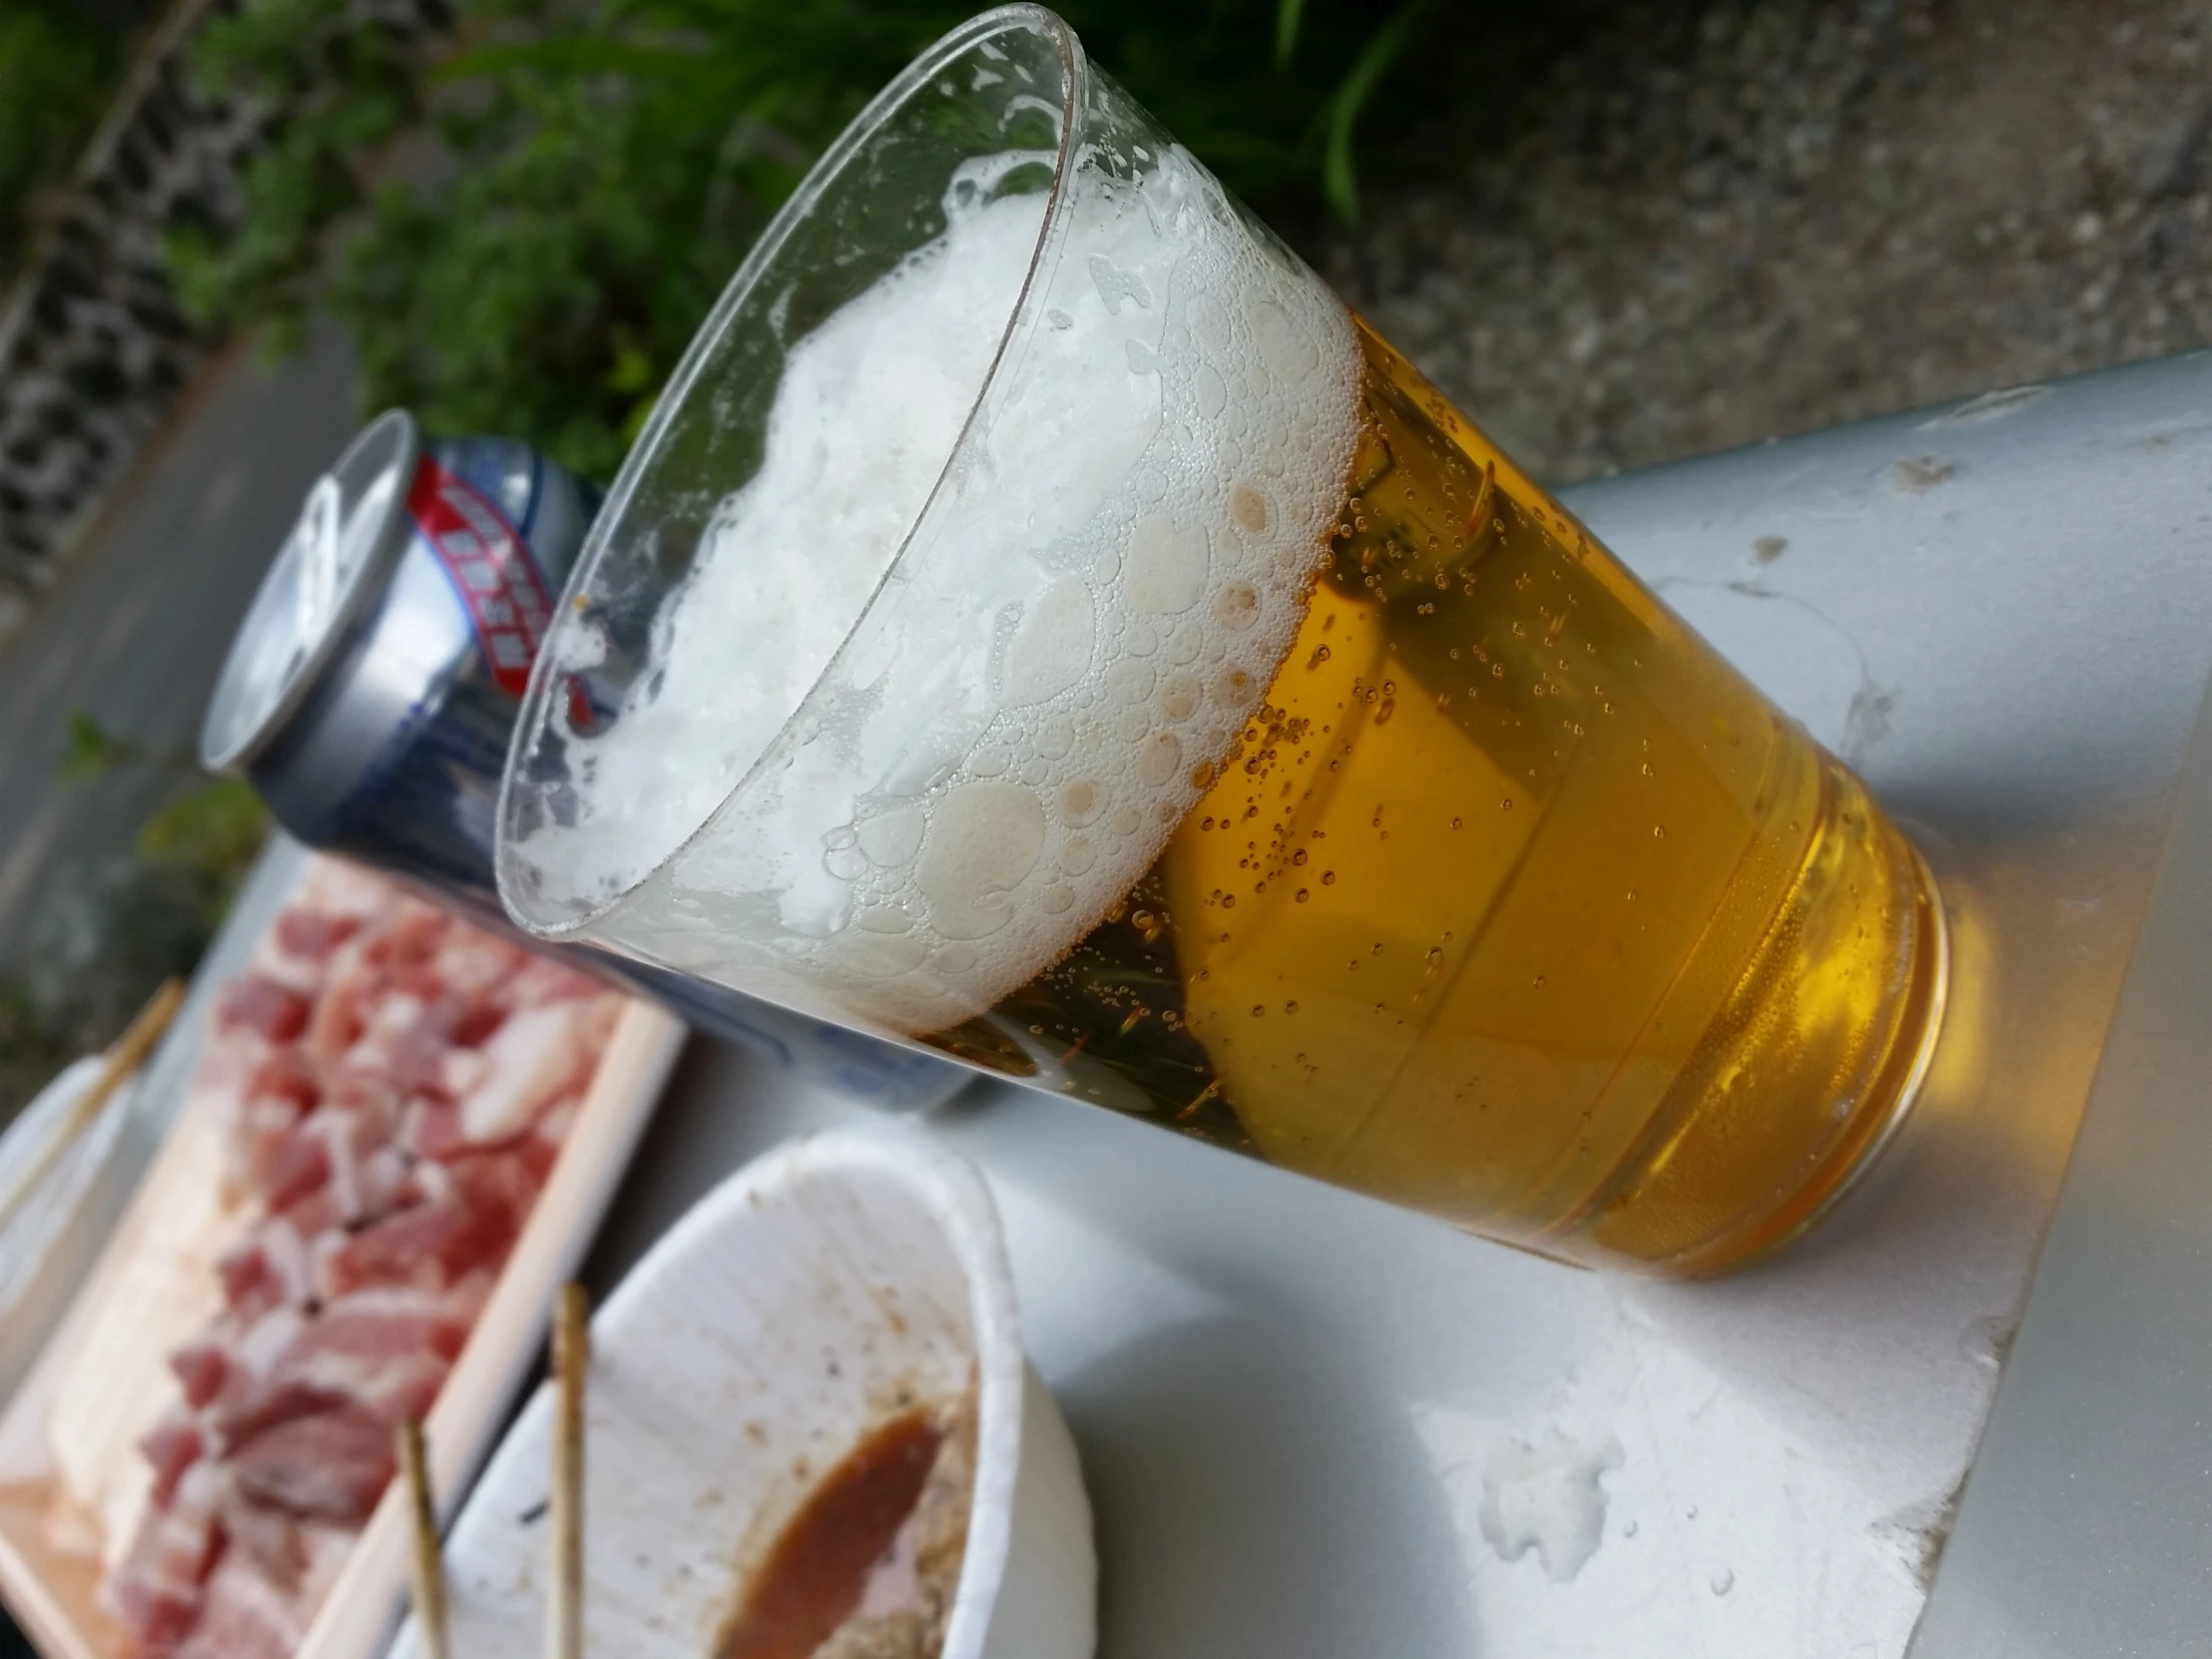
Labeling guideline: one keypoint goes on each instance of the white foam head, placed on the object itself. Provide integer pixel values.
(910, 737)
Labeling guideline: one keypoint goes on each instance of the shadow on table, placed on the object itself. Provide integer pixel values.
(1242, 1429)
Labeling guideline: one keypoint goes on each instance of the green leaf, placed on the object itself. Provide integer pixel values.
(90, 751)
(1338, 182)
(215, 830)
(1288, 15)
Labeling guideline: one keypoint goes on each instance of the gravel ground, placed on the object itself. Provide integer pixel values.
(1749, 217)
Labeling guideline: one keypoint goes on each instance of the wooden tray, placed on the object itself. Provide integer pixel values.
(154, 1285)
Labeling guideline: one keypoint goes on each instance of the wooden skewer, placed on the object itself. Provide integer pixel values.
(429, 1566)
(564, 1625)
(126, 1056)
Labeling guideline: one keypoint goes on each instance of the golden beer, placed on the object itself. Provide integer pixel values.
(1041, 621)
(1515, 904)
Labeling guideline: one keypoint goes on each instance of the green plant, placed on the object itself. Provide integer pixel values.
(30, 1055)
(215, 830)
(211, 830)
(57, 71)
(603, 165)
(90, 749)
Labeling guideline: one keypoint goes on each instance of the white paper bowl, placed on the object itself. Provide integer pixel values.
(789, 1312)
(50, 1244)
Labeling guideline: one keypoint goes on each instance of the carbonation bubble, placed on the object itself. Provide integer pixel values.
(1250, 509)
(1237, 606)
(1208, 391)
(1055, 737)
(1051, 649)
(1165, 570)
(1159, 760)
(1208, 323)
(986, 837)
(1284, 348)
(1129, 682)
(890, 839)
(1081, 802)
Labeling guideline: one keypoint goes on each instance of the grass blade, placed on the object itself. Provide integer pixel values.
(1288, 15)
(1340, 182)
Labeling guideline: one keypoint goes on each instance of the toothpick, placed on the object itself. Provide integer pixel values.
(430, 1567)
(564, 1626)
(125, 1057)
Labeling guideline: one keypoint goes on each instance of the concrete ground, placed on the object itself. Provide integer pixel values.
(1739, 219)
(137, 629)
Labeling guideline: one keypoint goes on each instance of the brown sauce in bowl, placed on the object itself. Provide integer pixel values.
(902, 1491)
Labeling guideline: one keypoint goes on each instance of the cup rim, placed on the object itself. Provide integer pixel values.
(758, 264)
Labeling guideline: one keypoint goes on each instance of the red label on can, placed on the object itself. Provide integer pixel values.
(492, 571)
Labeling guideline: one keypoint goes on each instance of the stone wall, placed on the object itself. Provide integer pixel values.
(95, 350)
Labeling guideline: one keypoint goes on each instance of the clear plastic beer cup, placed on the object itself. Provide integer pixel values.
(1042, 622)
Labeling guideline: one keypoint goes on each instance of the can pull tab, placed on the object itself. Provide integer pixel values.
(317, 537)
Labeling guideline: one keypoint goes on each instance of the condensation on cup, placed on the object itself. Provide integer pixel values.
(1041, 620)
(373, 688)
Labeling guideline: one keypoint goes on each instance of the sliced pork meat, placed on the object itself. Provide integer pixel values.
(244, 1616)
(331, 1465)
(171, 1445)
(154, 1593)
(430, 1246)
(397, 1087)
(264, 1006)
(539, 1057)
(384, 1349)
(307, 935)
(272, 1540)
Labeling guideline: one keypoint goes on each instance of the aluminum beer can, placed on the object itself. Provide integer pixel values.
(374, 683)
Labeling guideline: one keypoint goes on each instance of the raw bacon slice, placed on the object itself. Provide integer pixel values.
(233, 1357)
(345, 1156)
(385, 1348)
(341, 1009)
(199, 1365)
(475, 967)
(245, 1616)
(263, 1006)
(312, 935)
(273, 1539)
(542, 982)
(171, 1445)
(271, 1267)
(331, 1465)
(430, 1246)
(284, 1076)
(537, 1057)
(156, 1593)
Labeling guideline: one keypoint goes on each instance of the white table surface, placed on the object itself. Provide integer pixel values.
(1315, 1428)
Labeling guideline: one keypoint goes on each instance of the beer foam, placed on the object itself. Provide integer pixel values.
(921, 766)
